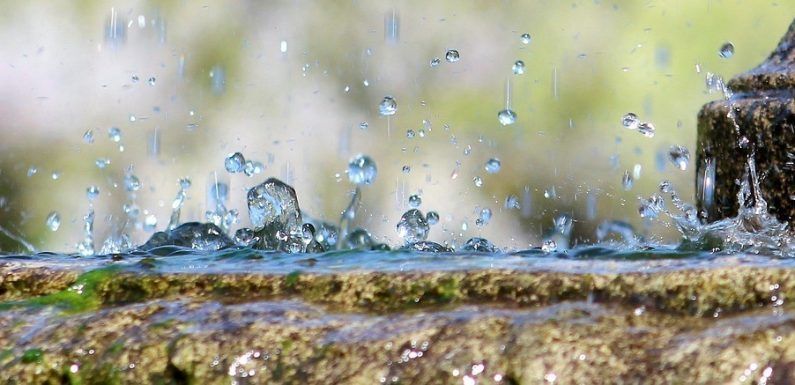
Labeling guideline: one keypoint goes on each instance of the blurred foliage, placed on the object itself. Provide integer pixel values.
(589, 63)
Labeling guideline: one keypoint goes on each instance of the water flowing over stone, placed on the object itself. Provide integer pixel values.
(480, 245)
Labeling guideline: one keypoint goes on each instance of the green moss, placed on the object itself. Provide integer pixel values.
(32, 355)
(291, 280)
(81, 296)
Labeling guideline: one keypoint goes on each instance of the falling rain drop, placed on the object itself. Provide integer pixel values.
(478, 181)
(646, 129)
(627, 181)
(362, 170)
(506, 117)
(726, 50)
(630, 121)
(518, 67)
(484, 217)
(92, 192)
(435, 62)
(432, 217)
(525, 38)
(452, 56)
(415, 201)
(493, 166)
(114, 133)
(234, 163)
(679, 156)
(388, 106)
(54, 221)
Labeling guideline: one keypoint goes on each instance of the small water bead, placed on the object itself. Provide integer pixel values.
(435, 62)
(493, 166)
(56, 175)
(410, 134)
(131, 182)
(563, 223)
(245, 237)
(432, 217)
(102, 163)
(249, 168)
(512, 202)
(388, 106)
(235, 163)
(525, 38)
(549, 246)
(88, 136)
(518, 67)
(452, 56)
(152, 80)
(32, 170)
(114, 133)
(363, 125)
(506, 117)
(54, 221)
(647, 129)
(665, 186)
(135, 78)
(406, 169)
(484, 218)
(362, 170)
(481, 245)
(679, 156)
(726, 50)
(92, 192)
(478, 181)
(652, 207)
(467, 150)
(630, 121)
(413, 227)
(627, 181)
(415, 201)
(150, 222)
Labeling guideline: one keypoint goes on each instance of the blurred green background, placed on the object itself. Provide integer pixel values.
(223, 83)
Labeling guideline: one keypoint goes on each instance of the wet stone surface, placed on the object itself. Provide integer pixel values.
(763, 107)
(251, 317)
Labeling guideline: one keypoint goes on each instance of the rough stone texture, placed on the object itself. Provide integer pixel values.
(764, 106)
(120, 324)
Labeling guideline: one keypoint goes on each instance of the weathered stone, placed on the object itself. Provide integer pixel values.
(763, 107)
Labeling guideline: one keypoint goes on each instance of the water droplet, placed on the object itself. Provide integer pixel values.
(362, 170)
(92, 192)
(283, 46)
(630, 121)
(150, 222)
(549, 246)
(647, 129)
(406, 169)
(88, 136)
(512, 202)
(726, 50)
(563, 224)
(452, 56)
(388, 106)
(235, 162)
(245, 237)
(56, 175)
(114, 133)
(413, 227)
(152, 81)
(363, 125)
(32, 170)
(131, 182)
(506, 117)
(493, 166)
(679, 156)
(432, 217)
(627, 181)
(273, 205)
(467, 150)
(484, 217)
(435, 62)
(54, 221)
(525, 38)
(478, 181)
(518, 67)
(415, 201)
(480, 245)
(650, 208)
(135, 78)
(102, 162)
(410, 134)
